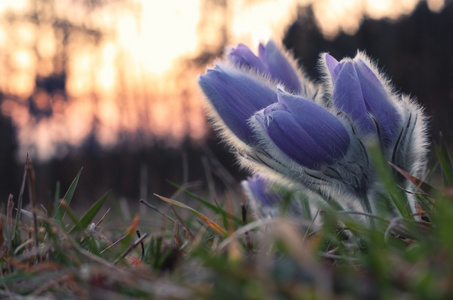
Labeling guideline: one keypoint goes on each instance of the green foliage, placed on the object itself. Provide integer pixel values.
(445, 162)
(60, 211)
(215, 208)
(88, 217)
(221, 252)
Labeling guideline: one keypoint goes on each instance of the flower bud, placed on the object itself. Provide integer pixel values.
(271, 62)
(304, 131)
(360, 93)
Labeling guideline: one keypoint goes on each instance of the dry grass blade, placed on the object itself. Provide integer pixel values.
(176, 236)
(241, 231)
(76, 246)
(211, 224)
(181, 222)
(21, 192)
(262, 223)
(414, 193)
(115, 243)
(133, 227)
(417, 182)
(157, 210)
(9, 222)
(102, 218)
(130, 248)
(32, 195)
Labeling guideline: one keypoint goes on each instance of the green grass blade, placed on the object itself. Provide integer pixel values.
(19, 201)
(426, 203)
(59, 214)
(86, 219)
(384, 173)
(71, 215)
(445, 162)
(56, 201)
(214, 226)
(214, 208)
(87, 239)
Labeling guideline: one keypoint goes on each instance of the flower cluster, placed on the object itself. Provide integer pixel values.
(284, 127)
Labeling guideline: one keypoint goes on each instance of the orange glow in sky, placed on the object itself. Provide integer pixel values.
(163, 31)
(138, 75)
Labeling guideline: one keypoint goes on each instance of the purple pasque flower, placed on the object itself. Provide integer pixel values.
(258, 189)
(267, 198)
(284, 129)
(305, 131)
(245, 83)
(361, 93)
(235, 96)
(271, 61)
(263, 201)
(244, 57)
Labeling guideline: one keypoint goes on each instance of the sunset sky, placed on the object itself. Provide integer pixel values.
(129, 64)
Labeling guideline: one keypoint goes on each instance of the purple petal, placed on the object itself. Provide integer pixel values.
(262, 53)
(236, 96)
(292, 139)
(348, 97)
(331, 63)
(280, 68)
(275, 106)
(243, 56)
(324, 128)
(378, 102)
(259, 188)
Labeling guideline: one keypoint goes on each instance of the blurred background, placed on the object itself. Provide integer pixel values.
(111, 85)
